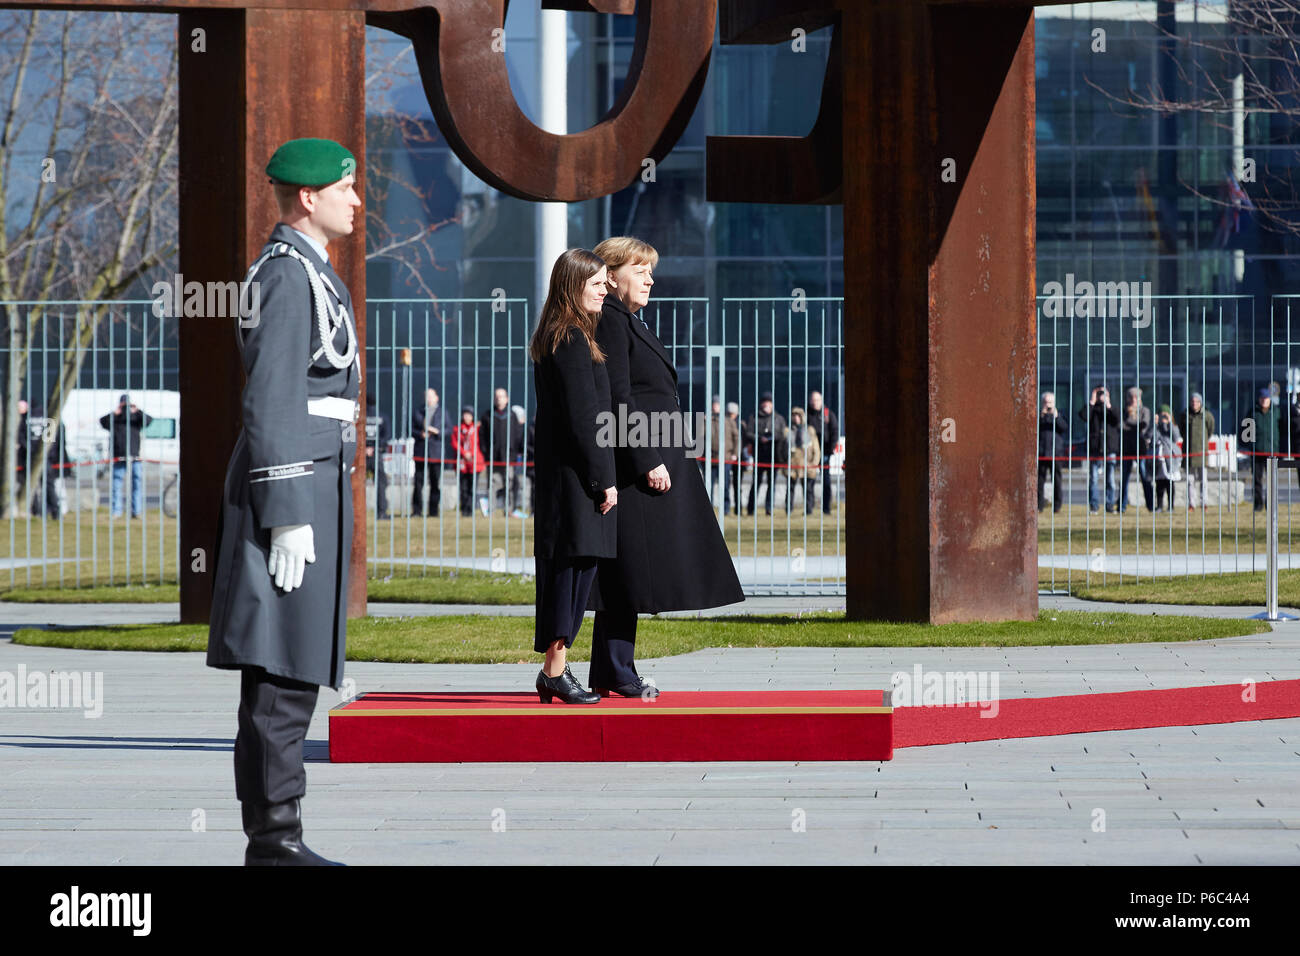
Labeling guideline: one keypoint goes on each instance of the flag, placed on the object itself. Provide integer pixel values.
(1235, 204)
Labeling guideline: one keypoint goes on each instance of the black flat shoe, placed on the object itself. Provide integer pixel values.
(636, 688)
(565, 687)
(275, 836)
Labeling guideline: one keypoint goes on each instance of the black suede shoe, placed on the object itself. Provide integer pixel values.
(565, 687)
(637, 688)
(275, 836)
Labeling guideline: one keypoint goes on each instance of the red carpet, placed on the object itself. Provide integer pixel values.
(1085, 713)
(752, 725)
(680, 725)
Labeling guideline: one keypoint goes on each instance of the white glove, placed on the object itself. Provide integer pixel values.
(292, 547)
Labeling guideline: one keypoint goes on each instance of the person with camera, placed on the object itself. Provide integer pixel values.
(1166, 442)
(765, 435)
(125, 424)
(1135, 433)
(1103, 448)
(1052, 450)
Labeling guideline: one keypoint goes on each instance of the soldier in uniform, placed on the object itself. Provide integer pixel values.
(279, 606)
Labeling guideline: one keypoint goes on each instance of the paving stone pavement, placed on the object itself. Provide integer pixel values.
(150, 780)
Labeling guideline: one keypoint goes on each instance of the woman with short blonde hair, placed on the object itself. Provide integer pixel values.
(670, 555)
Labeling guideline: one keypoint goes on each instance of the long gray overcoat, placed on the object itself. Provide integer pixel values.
(288, 467)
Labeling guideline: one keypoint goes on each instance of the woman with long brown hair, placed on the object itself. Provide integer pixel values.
(574, 474)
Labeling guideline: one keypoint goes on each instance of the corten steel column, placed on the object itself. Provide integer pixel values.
(266, 76)
(939, 312)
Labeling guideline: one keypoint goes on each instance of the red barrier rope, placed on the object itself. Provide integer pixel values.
(102, 461)
(1187, 454)
(716, 461)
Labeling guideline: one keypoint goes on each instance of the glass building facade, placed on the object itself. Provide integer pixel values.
(1126, 193)
(1196, 202)
(708, 250)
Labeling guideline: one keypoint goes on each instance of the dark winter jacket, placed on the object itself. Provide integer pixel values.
(1103, 429)
(126, 426)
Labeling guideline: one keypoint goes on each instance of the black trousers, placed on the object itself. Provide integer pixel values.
(381, 488)
(613, 647)
(613, 634)
(467, 481)
(1164, 489)
(767, 475)
(1259, 474)
(563, 586)
(729, 476)
(430, 471)
(274, 713)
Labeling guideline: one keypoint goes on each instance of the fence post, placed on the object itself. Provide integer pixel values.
(1270, 573)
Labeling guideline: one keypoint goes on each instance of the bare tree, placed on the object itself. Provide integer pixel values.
(397, 225)
(87, 187)
(1240, 70)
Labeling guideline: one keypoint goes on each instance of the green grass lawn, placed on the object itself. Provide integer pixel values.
(1230, 590)
(1138, 531)
(134, 594)
(480, 587)
(89, 556)
(483, 639)
(446, 587)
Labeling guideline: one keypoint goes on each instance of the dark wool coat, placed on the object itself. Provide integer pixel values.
(572, 469)
(1053, 441)
(434, 448)
(288, 467)
(671, 554)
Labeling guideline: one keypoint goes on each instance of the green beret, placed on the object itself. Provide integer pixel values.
(310, 162)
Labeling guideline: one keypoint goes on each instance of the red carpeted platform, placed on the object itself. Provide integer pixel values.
(1086, 713)
(678, 725)
(754, 725)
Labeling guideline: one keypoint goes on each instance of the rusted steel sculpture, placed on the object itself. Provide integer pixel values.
(925, 133)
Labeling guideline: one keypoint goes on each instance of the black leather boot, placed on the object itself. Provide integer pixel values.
(275, 836)
(565, 687)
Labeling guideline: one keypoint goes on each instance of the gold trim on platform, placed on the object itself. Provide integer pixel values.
(588, 710)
